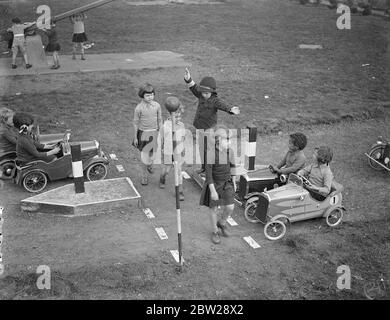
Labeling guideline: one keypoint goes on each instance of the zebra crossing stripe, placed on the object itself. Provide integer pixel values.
(113, 156)
(161, 233)
(148, 213)
(175, 254)
(120, 168)
(232, 222)
(252, 242)
(185, 175)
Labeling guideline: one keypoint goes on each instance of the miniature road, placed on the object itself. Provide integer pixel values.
(100, 62)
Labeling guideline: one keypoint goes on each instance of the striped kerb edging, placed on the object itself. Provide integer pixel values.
(77, 168)
(250, 150)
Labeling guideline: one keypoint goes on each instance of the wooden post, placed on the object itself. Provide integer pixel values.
(77, 168)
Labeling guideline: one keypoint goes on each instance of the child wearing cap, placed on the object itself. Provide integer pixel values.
(19, 41)
(318, 173)
(147, 123)
(167, 143)
(295, 159)
(208, 105)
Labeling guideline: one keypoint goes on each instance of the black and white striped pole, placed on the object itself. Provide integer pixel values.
(172, 104)
(250, 150)
(77, 168)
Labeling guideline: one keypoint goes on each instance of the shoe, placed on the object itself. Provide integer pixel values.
(181, 196)
(144, 181)
(53, 67)
(14, 66)
(57, 66)
(150, 169)
(201, 171)
(82, 58)
(28, 66)
(162, 182)
(223, 229)
(215, 238)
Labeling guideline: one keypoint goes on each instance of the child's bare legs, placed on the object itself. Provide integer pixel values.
(82, 51)
(164, 172)
(226, 213)
(214, 220)
(14, 54)
(74, 50)
(56, 58)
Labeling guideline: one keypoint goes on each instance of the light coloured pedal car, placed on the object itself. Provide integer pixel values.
(293, 202)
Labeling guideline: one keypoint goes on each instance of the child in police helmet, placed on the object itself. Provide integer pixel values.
(147, 123)
(208, 105)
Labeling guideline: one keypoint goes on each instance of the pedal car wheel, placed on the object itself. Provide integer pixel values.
(6, 168)
(334, 217)
(274, 230)
(97, 171)
(376, 153)
(250, 213)
(35, 181)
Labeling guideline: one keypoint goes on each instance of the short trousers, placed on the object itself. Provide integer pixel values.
(19, 43)
(51, 47)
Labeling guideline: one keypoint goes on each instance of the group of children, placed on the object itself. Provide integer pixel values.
(218, 190)
(17, 40)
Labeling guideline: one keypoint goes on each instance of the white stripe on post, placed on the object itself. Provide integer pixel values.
(250, 150)
(77, 169)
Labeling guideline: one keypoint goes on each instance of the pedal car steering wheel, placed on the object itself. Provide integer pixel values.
(305, 181)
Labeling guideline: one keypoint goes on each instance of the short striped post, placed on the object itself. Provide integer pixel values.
(250, 150)
(77, 168)
(176, 167)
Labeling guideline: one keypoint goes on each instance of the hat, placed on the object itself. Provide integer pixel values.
(208, 84)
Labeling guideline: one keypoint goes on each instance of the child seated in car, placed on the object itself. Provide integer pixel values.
(318, 173)
(26, 146)
(295, 159)
(8, 133)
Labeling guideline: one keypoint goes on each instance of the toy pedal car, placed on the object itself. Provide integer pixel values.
(252, 183)
(379, 155)
(34, 176)
(7, 160)
(292, 202)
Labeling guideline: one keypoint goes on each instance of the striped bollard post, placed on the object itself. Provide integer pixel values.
(77, 168)
(250, 150)
(176, 168)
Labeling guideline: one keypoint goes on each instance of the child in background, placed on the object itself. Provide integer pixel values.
(208, 105)
(79, 36)
(218, 189)
(53, 45)
(167, 146)
(295, 159)
(26, 146)
(147, 123)
(319, 174)
(19, 41)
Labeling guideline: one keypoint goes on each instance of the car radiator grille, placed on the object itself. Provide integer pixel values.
(262, 209)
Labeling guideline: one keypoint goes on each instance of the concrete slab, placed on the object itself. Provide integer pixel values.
(100, 197)
(99, 62)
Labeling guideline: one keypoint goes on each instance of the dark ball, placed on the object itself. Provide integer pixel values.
(172, 104)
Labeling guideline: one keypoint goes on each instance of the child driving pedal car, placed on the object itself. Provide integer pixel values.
(318, 173)
(26, 146)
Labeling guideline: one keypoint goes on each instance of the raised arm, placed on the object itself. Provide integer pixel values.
(191, 84)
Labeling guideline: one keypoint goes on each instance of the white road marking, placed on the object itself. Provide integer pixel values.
(252, 242)
(185, 175)
(232, 222)
(149, 213)
(175, 254)
(120, 168)
(113, 156)
(161, 233)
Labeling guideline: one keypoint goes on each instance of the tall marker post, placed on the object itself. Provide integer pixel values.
(172, 104)
(77, 168)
